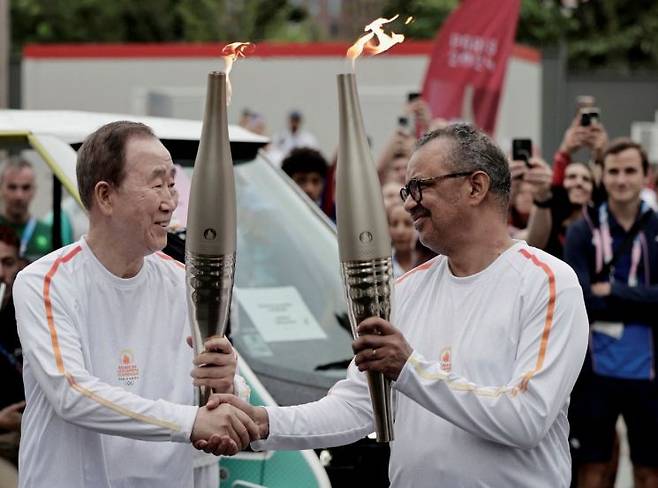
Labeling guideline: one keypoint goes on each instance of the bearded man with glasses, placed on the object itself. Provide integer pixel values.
(484, 345)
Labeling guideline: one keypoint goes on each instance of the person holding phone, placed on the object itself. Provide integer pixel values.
(556, 207)
(585, 131)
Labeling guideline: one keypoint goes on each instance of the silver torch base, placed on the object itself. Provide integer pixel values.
(368, 286)
(209, 290)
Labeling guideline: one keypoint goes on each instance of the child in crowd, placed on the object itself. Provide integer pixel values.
(403, 238)
(391, 193)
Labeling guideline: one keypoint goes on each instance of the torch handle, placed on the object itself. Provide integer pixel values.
(380, 396)
(368, 286)
(209, 291)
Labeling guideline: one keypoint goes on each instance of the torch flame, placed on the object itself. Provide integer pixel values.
(367, 44)
(232, 52)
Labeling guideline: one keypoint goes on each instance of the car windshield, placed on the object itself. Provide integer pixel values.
(289, 314)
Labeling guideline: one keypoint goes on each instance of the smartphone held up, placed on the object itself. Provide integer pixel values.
(589, 116)
(522, 150)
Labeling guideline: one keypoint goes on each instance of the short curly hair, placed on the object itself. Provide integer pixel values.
(473, 150)
(305, 160)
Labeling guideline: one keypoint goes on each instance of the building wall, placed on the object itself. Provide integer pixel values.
(170, 82)
(622, 98)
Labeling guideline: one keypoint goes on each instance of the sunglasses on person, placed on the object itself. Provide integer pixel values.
(415, 185)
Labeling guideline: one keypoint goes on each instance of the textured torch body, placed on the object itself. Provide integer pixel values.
(363, 238)
(210, 241)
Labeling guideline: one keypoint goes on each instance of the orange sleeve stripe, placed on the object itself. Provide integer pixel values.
(167, 257)
(60, 362)
(548, 321)
(421, 267)
(49, 306)
(523, 384)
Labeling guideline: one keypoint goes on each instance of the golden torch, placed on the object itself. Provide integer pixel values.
(364, 242)
(211, 219)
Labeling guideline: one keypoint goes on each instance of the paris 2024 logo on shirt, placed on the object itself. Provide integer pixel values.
(445, 359)
(127, 371)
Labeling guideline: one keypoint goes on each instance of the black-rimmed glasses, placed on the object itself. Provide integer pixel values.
(415, 185)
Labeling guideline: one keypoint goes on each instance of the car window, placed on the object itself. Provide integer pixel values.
(289, 315)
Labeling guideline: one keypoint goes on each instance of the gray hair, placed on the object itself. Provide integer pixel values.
(473, 150)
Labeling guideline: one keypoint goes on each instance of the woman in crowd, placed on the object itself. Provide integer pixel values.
(555, 207)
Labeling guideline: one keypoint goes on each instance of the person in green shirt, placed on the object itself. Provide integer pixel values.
(17, 190)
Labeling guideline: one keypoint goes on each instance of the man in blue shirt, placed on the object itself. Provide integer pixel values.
(614, 251)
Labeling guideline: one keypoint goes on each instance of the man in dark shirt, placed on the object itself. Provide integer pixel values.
(614, 251)
(12, 394)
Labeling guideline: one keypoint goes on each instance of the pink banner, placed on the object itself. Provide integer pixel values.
(467, 68)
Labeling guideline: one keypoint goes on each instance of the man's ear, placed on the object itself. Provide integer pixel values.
(104, 197)
(480, 184)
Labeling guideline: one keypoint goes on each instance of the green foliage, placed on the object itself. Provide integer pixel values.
(614, 34)
(62, 21)
(93, 21)
(617, 34)
(428, 16)
(541, 23)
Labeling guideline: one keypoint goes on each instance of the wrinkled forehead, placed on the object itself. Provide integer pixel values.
(145, 155)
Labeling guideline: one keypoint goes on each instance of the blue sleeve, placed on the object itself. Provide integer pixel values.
(637, 302)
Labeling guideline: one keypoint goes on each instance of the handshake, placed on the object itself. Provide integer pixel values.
(226, 425)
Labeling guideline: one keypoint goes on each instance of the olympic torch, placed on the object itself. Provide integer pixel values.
(364, 242)
(211, 226)
(211, 217)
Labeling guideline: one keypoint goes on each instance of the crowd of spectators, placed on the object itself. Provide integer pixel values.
(594, 207)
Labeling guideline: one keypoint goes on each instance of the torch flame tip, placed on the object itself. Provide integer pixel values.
(366, 42)
(232, 52)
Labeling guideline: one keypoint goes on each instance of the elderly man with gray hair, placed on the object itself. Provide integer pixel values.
(103, 323)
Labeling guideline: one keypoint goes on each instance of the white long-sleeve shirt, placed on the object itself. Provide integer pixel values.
(106, 368)
(482, 401)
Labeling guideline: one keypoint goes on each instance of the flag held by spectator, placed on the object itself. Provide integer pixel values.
(467, 68)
